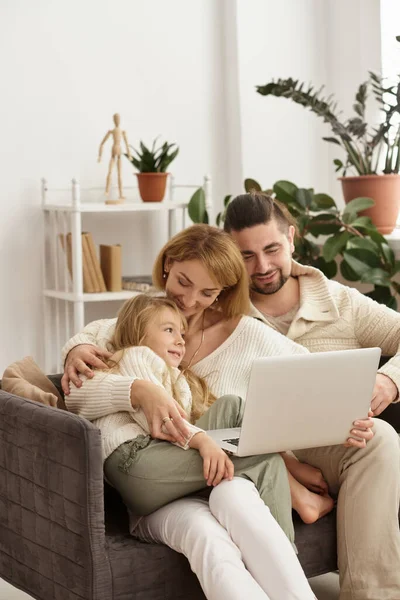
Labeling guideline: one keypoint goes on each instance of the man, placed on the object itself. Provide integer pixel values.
(324, 315)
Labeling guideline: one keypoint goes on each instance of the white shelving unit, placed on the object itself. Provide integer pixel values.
(64, 299)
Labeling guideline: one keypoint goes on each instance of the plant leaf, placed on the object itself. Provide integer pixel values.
(197, 207)
(329, 269)
(358, 204)
(388, 254)
(383, 296)
(332, 140)
(347, 272)
(323, 201)
(376, 276)
(364, 244)
(285, 191)
(323, 224)
(252, 184)
(362, 222)
(361, 260)
(334, 245)
(227, 199)
(304, 197)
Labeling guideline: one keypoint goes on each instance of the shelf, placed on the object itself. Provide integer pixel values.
(98, 207)
(102, 297)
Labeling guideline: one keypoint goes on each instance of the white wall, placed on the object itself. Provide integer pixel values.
(66, 68)
(185, 70)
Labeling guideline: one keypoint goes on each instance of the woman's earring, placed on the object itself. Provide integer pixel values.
(164, 275)
(216, 299)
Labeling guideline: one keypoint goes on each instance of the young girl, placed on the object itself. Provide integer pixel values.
(257, 558)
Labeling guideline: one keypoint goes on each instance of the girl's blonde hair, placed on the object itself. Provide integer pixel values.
(218, 253)
(131, 329)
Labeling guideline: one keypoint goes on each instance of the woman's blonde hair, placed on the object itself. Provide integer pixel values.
(218, 253)
(131, 329)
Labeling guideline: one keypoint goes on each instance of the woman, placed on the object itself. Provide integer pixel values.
(202, 270)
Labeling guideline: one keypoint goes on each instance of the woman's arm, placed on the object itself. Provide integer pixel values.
(87, 347)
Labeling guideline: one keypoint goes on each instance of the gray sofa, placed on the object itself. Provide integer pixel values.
(64, 533)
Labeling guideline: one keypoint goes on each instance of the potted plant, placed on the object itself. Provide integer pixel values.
(350, 242)
(373, 154)
(152, 165)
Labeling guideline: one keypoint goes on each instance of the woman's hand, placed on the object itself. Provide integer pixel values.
(361, 433)
(165, 417)
(216, 463)
(78, 361)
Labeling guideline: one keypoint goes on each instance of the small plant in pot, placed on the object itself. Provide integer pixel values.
(372, 154)
(152, 164)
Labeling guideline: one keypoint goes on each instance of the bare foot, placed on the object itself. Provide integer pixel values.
(308, 505)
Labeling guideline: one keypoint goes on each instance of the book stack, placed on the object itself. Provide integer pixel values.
(138, 283)
(93, 280)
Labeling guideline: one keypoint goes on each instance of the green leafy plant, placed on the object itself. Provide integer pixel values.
(350, 242)
(154, 160)
(362, 144)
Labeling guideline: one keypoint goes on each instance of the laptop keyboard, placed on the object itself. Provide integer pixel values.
(233, 441)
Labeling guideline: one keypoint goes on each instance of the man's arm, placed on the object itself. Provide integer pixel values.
(377, 325)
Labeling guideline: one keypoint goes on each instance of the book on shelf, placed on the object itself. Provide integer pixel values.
(138, 283)
(89, 280)
(96, 272)
(111, 266)
(90, 262)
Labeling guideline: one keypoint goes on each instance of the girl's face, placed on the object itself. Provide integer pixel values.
(164, 336)
(190, 285)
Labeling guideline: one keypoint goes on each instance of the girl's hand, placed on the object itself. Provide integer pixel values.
(216, 463)
(77, 362)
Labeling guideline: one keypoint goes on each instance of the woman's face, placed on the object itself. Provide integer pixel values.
(190, 285)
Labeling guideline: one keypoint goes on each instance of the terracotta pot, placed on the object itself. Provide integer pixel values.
(384, 190)
(152, 186)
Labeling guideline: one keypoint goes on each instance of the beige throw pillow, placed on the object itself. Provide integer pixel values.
(24, 378)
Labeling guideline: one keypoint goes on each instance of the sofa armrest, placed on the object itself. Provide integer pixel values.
(52, 533)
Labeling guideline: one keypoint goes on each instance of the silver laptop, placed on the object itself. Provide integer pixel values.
(303, 401)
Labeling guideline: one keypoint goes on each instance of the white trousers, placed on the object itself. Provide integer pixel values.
(233, 544)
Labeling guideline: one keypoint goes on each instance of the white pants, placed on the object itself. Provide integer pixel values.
(233, 544)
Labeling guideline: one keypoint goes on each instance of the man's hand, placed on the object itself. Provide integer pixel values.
(385, 391)
(165, 417)
(361, 433)
(77, 362)
(216, 464)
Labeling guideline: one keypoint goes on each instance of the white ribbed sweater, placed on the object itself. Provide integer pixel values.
(105, 401)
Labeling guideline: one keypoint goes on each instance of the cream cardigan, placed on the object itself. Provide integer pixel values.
(333, 316)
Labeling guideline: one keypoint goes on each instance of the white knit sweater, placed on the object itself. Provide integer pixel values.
(333, 316)
(111, 411)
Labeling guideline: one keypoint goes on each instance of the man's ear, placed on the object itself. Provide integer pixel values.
(291, 234)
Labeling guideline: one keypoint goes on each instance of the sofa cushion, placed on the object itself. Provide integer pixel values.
(24, 378)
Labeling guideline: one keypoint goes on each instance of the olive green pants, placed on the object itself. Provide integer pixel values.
(150, 474)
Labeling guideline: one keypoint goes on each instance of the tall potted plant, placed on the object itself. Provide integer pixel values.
(152, 165)
(371, 153)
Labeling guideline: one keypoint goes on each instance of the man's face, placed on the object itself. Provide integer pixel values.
(267, 253)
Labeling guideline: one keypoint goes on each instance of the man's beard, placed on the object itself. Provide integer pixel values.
(268, 288)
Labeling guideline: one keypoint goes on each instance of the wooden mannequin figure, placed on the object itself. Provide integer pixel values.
(117, 134)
